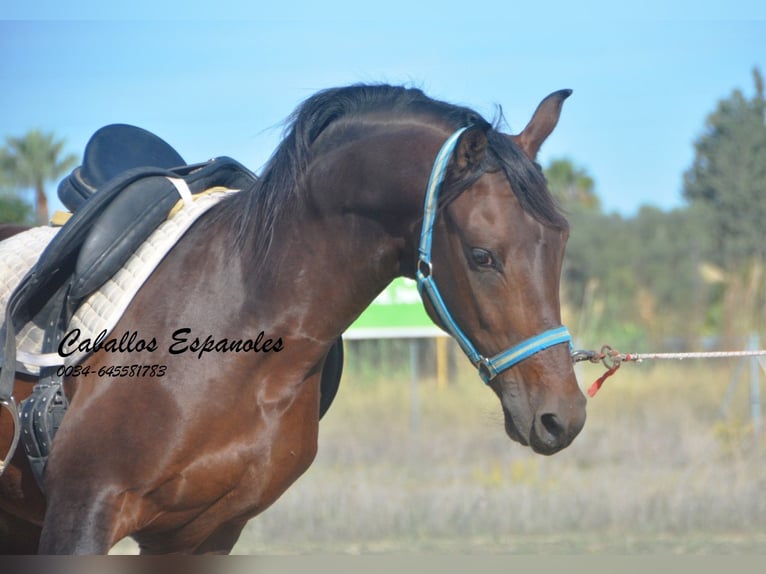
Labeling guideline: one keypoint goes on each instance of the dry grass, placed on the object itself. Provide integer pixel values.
(657, 469)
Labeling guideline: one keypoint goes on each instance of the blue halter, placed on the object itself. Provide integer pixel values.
(489, 367)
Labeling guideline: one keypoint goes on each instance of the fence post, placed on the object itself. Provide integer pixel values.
(414, 393)
(442, 366)
(755, 385)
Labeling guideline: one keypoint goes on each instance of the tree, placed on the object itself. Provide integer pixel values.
(33, 160)
(635, 279)
(728, 176)
(572, 186)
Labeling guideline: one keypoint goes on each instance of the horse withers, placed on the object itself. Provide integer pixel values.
(179, 446)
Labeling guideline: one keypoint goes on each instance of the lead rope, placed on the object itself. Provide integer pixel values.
(612, 359)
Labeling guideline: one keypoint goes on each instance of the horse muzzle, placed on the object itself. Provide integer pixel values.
(546, 426)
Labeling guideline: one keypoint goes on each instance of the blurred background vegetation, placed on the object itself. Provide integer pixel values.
(684, 278)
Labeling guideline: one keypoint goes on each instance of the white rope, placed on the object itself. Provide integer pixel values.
(638, 357)
(614, 356)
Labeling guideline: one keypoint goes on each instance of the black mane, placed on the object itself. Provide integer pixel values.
(257, 209)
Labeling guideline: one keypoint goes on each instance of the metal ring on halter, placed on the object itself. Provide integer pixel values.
(425, 268)
(486, 371)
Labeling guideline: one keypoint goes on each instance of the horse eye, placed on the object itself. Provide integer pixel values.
(482, 257)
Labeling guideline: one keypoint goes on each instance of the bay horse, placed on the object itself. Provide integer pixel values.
(369, 183)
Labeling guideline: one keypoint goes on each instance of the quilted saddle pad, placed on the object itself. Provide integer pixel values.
(102, 310)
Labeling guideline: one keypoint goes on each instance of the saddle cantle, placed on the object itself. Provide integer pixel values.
(128, 182)
(112, 150)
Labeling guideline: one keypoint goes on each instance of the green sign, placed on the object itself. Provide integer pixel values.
(396, 313)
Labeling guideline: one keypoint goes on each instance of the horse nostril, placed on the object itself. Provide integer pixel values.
(555, 428)
(552, 425)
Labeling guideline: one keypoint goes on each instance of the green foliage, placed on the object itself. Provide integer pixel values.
(13, 209)
(572, 186)
(728, 176)
(637, 278)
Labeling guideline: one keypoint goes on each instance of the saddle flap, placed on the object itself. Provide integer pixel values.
(126, 223)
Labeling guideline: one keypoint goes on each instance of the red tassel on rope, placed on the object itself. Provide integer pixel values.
(600, 381)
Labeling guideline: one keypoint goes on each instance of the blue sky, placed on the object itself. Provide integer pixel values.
(221, 81)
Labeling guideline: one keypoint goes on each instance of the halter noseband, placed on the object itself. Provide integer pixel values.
(489, 367)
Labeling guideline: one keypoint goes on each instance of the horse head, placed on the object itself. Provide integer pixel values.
(496, 250)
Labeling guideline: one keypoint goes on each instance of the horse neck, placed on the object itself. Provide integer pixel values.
(348, 237)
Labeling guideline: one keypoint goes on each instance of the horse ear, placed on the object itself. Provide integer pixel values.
(541, 125)
(469, 152)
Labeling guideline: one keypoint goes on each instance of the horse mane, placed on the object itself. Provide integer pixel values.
(254, 212)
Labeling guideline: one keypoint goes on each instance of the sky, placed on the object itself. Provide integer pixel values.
(219, 77)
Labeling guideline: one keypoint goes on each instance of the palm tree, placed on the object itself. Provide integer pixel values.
(31, 161)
